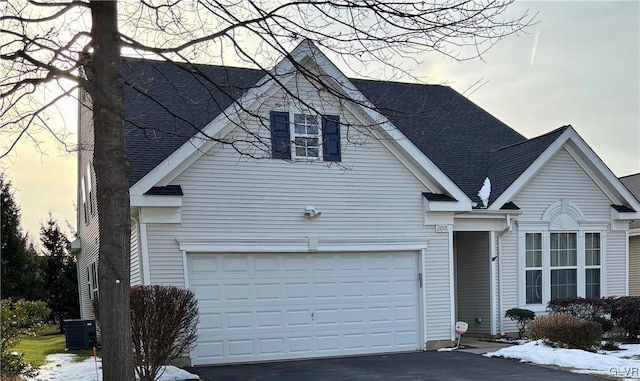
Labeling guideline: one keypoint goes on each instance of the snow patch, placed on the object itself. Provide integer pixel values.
(485, 192)
(65, 367)
(610, 363)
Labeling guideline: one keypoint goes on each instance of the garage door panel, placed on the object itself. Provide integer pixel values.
(259, 307)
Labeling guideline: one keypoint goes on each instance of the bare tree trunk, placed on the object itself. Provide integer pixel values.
(112, 174)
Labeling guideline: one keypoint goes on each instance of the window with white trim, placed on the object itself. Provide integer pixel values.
(307, 136)
(559, 265)
(83, 194)
(92, 280)
(592, 265)
(564, 265)
(91, 197)
(533, 271)
(561, 256)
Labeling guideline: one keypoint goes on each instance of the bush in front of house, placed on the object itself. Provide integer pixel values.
(597, 310)
(625, 312)
(18, 318)
(522, 317)
(163, 326)
(568, 331)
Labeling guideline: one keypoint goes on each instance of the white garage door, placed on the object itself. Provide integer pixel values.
(258, 307)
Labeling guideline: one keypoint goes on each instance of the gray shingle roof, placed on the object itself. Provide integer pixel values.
(507, 163)
(438, 197)
(166, 103)
(168, 190)
(453, 132)
(632, 182)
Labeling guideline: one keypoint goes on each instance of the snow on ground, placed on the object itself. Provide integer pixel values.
(65, 367)
(624, 364)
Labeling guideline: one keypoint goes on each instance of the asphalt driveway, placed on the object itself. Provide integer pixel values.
(401, 366)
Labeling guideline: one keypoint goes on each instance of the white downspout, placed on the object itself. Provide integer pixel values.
(500, 291)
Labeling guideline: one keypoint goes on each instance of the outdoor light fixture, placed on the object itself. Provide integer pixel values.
(311, 212)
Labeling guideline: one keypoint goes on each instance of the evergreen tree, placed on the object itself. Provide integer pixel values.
(59, 273)
(19, 275)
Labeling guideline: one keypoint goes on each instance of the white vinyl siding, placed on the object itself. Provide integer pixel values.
(561, 179)
(510, 276)
(136, 273)
(473, 278)
(87, 232)
(616, 268)
(370, 194)
(634, 265)
(437, 280)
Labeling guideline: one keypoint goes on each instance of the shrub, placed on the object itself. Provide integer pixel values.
(522, 317)
(163, 325)
(597, 310)
(615, 338)
(567, 331)
(17, 319)
(625, 312)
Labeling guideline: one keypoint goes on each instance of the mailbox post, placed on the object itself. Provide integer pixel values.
(461, 328)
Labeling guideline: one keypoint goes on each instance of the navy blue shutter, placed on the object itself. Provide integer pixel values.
(280, 147)
(331, 138)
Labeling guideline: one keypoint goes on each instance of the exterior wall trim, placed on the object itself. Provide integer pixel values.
(423, 297)
(452, 295)
(298, 245)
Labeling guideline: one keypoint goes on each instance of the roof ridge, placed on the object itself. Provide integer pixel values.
(633, 174)
(398, 82)
(151, 60)
(563, 128)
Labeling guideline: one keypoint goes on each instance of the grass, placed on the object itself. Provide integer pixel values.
(49, 341)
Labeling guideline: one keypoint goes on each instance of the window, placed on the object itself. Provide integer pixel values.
(559, 265)
(91, 199)
(92, 280)
(592, 265)
(564, 265)
(533, 273)
(306, 136)
(84, 201)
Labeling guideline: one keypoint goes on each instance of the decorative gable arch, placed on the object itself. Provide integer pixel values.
(563, 215)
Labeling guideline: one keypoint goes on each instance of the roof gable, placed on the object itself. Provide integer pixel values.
(178, 147)
(566, 137)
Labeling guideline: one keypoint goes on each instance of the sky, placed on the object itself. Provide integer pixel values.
(579, 65)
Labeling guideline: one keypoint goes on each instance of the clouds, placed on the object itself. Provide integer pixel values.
(579, 65)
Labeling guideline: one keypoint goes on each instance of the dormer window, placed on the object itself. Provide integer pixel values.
(306, 136)
(296, 135)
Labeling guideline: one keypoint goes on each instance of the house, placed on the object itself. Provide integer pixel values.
(336, 216)
(632, 182)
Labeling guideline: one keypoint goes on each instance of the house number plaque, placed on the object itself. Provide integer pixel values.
(442, 228)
